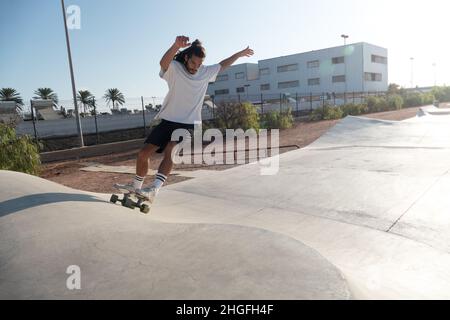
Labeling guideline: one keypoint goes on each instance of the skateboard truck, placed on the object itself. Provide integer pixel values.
(128, 202)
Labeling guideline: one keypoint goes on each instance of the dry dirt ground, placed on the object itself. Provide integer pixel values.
(68, 173)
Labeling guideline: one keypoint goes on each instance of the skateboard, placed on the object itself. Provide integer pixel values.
(129, 202)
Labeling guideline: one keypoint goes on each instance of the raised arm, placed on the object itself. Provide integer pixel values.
(180, 42)
(247, 52)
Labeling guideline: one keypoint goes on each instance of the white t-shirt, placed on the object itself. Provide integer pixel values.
(187, 91)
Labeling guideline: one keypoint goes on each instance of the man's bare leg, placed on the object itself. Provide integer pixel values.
(141, 169)
(143, 158)
(167, 164)
(163, 172)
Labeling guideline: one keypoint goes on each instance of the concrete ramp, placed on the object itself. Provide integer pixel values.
(432, 110)
(369, 196)
(363, 212)
(123, 254)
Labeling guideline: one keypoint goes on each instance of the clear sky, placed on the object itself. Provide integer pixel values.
(121, 42)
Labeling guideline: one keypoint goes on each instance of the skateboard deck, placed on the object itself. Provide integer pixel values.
(129, 201)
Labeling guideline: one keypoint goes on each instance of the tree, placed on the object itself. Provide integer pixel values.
(85, 98)
(10, 94)
(393, 88)
(46, 94)
(18, 153)
(114, 95)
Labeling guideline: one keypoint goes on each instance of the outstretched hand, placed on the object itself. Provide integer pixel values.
(247, 52)
(182, 42)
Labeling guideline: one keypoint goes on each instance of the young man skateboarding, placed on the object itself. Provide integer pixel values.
(188, 81)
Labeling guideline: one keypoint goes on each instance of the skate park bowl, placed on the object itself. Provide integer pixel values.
(361, 213)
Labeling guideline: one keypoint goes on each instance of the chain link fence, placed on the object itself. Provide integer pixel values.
(138, 113)
(299, 103)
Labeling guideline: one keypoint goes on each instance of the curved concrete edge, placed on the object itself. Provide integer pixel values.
(375, 264)
(125, 255)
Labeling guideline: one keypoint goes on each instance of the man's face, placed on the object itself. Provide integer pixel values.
(193, 64)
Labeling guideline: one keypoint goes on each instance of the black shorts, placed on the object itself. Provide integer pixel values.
(161, 135)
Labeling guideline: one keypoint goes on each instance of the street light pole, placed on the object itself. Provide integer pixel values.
(412, 72)
(74, 91)
(435, 74)
(345, 66)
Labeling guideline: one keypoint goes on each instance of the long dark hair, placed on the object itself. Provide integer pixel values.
(195, 49)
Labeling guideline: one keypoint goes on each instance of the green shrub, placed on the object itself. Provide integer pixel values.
(414, 99)
(316, 115)
(441, 93)
(332, 113)
(278, 120)
(377, 104)
(286, 120)
(353, 109)
(395, 102)
(237, 116)
(18, 153)
(270, 120)
(326, 113)
(393, 88)
(427, 98)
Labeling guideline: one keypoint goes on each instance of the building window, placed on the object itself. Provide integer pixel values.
(222, 77)
(239, 75)
(338, 79)
(240, 90)
(219, 92)
(314, 82)
(373, 76)
(265, 87)
(288, 67)
(288, 84)
(264, 71)
(379, 59)
(338, 60)
(313, 64)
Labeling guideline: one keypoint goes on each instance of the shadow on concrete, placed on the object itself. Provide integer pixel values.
(35, 200)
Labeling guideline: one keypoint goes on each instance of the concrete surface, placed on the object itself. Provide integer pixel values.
(360, 213)
(122, 254)
(369, 196)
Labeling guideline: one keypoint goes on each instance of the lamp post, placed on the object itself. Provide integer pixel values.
(435, 73)
(345, 37)
(412, 72)
(74, 91)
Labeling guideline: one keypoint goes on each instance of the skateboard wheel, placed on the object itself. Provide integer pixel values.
(145, 208)
(114, 198)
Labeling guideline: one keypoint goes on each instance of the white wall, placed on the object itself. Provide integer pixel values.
(357, 62)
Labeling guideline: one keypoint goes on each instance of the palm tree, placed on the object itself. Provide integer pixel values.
(114, 95)
(85, 98)
(10, 94)
(46, 94)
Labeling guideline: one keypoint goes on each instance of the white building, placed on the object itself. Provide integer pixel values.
(359, 67)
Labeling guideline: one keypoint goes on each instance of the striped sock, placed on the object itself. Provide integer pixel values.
(138, 182)
(159, 180)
